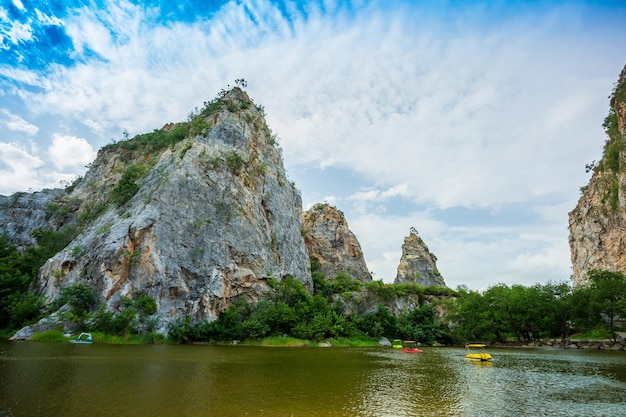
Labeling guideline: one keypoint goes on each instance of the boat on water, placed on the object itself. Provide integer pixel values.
(409, 346)
(476, 352)
(83, 338)
(397, 344)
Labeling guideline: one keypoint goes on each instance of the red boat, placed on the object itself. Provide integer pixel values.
(410, 347)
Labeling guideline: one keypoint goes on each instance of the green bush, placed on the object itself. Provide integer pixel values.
(127, 187)
(199, 126)
(146, 304)
(24, 309)
(80, 297)
(234, 162)
(155, 141)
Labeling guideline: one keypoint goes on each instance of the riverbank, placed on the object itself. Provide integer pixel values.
(604, 344)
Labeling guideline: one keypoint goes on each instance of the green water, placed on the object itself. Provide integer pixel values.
(40, 379)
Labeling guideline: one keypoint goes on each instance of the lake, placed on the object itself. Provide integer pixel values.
(57, 379)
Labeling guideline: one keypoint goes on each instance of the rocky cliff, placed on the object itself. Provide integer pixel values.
(417, 264)
(330, 242)
(195, 215)
(597, 236)
(23, 213)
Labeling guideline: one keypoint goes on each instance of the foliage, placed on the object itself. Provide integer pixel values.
(133, 318)
(81, 299)
(610, 164)
(157, 140)
(49, 336)
(234, 162)
(344, 283)
(421, 325)
(288, 310)
(607, 298)
(18, 306)
(146, 304)
(550, 310)
(379, 323)
(199, 126)
(127, 186)
(183, 152)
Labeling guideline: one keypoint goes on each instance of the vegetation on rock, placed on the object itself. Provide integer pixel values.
(611, 164)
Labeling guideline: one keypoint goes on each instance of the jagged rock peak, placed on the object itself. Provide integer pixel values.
(417, 264)
(332, 244)
(195, 215)
(597, 237)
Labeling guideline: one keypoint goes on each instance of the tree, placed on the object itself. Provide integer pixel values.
(420, 324)
(607, 299)
(470, 317)
(555, 312)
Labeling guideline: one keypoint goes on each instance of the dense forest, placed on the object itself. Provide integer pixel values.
(445, 316)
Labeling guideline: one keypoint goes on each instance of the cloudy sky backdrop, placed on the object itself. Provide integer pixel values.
(470, 121)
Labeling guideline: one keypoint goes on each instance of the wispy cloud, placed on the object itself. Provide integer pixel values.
(16, 123)
(424, 106)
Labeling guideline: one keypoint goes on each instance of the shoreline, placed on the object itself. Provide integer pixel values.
(587, 344)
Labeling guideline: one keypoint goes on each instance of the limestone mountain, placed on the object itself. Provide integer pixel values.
(194, 215)
(417, 264)
(597, 236)
(332, 244)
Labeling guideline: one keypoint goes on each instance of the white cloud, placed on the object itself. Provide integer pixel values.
(399, 190)
(20, 76)
(19, 32)
(70, 152)
(18, 169)
(18, 124)
(480, 256)
(381, 238)
(456, 109)
(18, 4)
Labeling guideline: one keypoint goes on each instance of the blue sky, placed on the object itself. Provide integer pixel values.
(470, 121)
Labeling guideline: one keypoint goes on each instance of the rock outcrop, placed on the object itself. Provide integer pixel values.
(417, 264)
(332, 244)
(195, 215)
(23, 213)
(597, 236)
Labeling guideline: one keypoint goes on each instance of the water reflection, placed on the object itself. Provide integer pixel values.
(413, 385)
(102, 380)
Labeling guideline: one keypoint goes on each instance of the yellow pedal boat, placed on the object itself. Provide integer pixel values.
(476, 352)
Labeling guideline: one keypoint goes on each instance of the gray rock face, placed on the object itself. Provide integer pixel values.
(417, 264)
(597, 237)
(214, 217)
(330, 242)
(22, 213)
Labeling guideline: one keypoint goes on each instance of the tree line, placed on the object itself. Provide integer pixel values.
(444, 316)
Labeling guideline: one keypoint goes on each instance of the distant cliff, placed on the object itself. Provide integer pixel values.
(195, 215)
(597, 225)
(332, 244)
(417, 264)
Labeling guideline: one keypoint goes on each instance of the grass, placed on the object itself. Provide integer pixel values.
(280, 341)
(273, 341)
(342, 342)
(595, 334)
(57, 336)
(49, 336)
